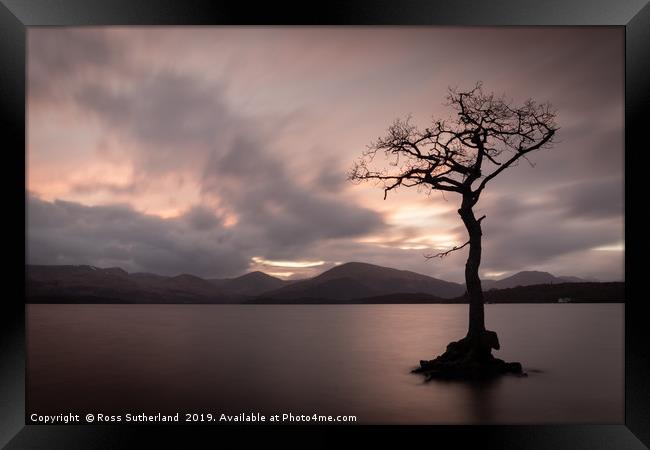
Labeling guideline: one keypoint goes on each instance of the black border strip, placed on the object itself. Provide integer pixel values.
(333, 12)
(15, 15)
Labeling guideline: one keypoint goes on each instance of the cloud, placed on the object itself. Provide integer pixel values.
(173, 119)
(196, 242)
(60, 55)
(593, 199)
(69, 233)
(178, 124)
(274, 206)
(520, 233)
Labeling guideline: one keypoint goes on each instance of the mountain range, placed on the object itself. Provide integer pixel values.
(353, 282)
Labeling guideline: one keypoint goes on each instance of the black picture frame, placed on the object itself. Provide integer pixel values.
(16, 15)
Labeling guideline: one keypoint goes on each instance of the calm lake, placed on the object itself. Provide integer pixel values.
(324, 359)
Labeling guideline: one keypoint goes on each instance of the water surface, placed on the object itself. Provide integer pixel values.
(324, 359)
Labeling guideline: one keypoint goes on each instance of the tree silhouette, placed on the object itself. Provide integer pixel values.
(462, 155)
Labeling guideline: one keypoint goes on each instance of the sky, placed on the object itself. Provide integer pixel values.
(216, 151)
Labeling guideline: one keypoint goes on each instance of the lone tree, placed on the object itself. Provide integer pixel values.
(462, 155)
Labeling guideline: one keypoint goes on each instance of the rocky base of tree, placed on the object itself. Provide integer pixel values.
(469, 359)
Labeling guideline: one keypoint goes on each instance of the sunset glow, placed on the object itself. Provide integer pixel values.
(293, 264)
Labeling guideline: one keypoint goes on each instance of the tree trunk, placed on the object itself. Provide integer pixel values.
(471, 357)
(472, 281)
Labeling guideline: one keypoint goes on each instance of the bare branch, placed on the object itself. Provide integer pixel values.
(445, 253)
(513, 159)
(449, 155)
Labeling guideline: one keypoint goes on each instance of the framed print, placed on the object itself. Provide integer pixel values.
(393, 220)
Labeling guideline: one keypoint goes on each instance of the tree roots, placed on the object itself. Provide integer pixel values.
(469, 359)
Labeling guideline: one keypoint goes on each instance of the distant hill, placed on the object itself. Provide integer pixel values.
(573, 292)
(189, 284)
(528, 278)
(89, 284)
(358, 280)
(251, 284)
